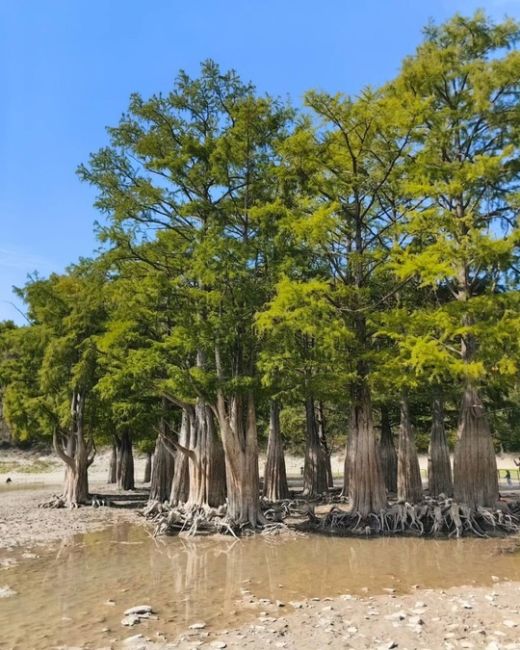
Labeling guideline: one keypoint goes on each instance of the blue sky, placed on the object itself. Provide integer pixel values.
(69, 66)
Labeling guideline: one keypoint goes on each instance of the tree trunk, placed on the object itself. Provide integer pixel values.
(239, 437)
(112, 464)
(207, 469)
(275, 477)
(409, 484)
(125, 470)
(474, 467)
(348, 463)
(75, 488)
(162, 471)
(200, 474)
(439, 467)
(75, 455)
(323, 440)
(315, 479)
(388, 452)
(366, 482)
(148, 468)
(181, 479)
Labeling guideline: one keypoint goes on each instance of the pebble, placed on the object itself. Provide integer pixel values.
(509, 623)
(218, 644)
(130, 620)
(197, 626)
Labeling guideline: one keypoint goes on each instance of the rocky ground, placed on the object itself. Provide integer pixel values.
(426, 619)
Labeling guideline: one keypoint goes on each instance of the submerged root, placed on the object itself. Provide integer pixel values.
(432, 517)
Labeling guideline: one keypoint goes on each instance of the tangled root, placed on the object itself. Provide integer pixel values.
(432, 517)
(55, 502)
(205, 520)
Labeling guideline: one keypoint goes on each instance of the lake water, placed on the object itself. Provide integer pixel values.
(61, 595)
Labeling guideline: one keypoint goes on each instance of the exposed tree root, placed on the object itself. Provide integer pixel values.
(55, 502)
(431, 517)
(202, 520)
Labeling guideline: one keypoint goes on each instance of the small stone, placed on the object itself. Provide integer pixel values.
(133, 639)
(130, 620)
(495, 578)
(279, 603)
(198, 626)
(139, 610)
(509, 623)
(296, 605)
(110, 602)
(218, 644)
(420, 603)
(352, 629)
(415, 620)
(493, 645)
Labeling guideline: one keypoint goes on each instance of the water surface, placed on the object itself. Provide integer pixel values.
(61, 595)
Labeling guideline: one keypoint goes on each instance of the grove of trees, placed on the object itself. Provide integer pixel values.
(350, 267)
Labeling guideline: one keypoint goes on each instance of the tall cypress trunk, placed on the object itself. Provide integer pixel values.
(323, 441)
(162, 470)
(366, 482)
(200, 475)
(207, 469)
(180, 485)
(148, 468)
(388, 452)
(474, 467)
(125, 470)
(112, 464)
(275, 476)
(409, 484)
(239, 436)
(439, 467)
(75, 455)
(475, 480)
(315, 479)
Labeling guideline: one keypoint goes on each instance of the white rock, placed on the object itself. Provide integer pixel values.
(130, 620)
(218, 644)
(493, 645)
(509, 623)
(7, 592)
(133, 639)
(139, 609)
(198, 626)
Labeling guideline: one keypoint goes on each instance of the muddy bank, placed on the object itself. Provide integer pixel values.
(23, 523)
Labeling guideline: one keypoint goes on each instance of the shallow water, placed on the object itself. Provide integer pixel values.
(61, 594)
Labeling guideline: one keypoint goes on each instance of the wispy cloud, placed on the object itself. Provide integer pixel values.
(15, 259)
